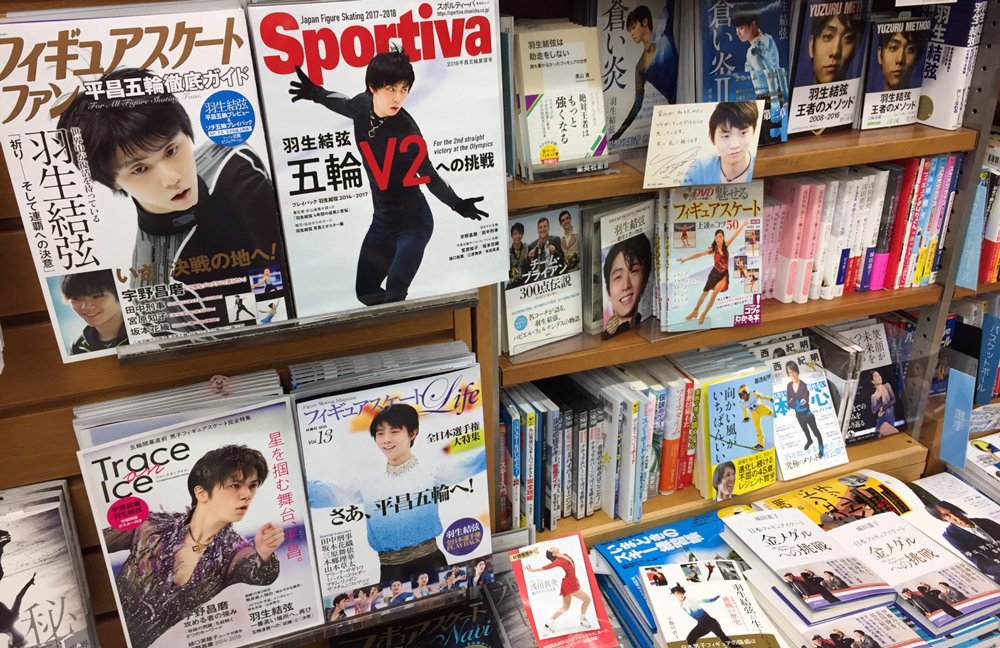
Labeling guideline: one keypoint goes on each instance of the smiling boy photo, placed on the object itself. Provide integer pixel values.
(733, 131)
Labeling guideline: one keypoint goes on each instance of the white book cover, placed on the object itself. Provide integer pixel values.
(397, 474)
(983, 458)
(386, 192)
(708, 604)
(135, 145)
(207, 515)
(807, 435)
(916, 566)
(812, 563)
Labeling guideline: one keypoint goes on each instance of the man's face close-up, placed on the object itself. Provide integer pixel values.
(98, 309)
(230, 500)
(394, 442)
(832, 50)
(745, 32)
(387, 101)
(897, 59)
(543, 230)
(625, 287)
(162, 181)
(732, 142)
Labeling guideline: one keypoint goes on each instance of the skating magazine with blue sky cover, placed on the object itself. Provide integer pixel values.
(205, 530)
(141, 170)
(386, 126)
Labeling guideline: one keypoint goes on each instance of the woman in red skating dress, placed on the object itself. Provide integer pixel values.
(568, 590)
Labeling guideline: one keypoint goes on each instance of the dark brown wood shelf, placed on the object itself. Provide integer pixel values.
(777, 317)
(798, 155)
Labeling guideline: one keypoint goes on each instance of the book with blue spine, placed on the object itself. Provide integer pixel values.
(745, 57)
(513, 449)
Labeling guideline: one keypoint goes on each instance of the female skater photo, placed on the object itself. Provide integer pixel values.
(718, 278)
(569, 589)
(883, 406)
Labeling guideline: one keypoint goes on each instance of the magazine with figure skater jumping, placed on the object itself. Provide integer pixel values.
(206, 513)
(388, 189)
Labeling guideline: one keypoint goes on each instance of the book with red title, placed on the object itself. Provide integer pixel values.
(900, 225)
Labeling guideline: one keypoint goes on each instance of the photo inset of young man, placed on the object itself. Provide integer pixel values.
(732, 129)
(833, 43)
(626, 273)
(177, 562)
(763, 64)
(402, 222)
(93, 297)
(898, 54)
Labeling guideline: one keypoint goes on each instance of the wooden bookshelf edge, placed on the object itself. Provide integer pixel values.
(983, 287)
(777, 318)
(800, 154)
(898, 455)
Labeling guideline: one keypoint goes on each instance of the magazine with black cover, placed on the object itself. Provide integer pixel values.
(389, 167)
(135, 145)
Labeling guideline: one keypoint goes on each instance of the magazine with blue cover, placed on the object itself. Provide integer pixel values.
(745, 57)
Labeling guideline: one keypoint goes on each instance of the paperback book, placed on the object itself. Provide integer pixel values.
(334, 79)
(142, 175)
(626, 263)
(956, 30)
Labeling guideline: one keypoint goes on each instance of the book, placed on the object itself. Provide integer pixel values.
(218, 506)
(333, 161)
(543, 594)
(878, 410)
(186, 239)
(397, 472)
(626, 261)
(689, 605)
(455, 626)
(711, 225)
(542, 296)
(955, 33)
(793, 192)
(826, 72)
(809, 570)
(896, 47)
(744, 57)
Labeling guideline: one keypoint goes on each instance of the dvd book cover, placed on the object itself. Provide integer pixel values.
(205, 531)
(388, 189)
(398, 490)
(142, 175)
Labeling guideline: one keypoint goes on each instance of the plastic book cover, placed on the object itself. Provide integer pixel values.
(932, 584)
(738, 434)
(397, 482)
(465, 624)
(714, 277)
(204, 530)
(638, 66)
(878, 410)
(41, 599)
(626, 265)
(357, 98)
(983, 458)
(504, 598)
(708, 604)
(812, 563)
(142, 176)
(838, 501)
(564, 609)
(979, 633)
(694, 539)
(956, 30)
(806, 430)
(542, 296)
(897, 47)
(826, 80)
(745, 57)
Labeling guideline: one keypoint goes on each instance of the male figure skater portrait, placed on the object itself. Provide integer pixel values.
(833, 43)
(898, 55)
(93, 297)
(177, 562)
(705, 622)
(402, 222)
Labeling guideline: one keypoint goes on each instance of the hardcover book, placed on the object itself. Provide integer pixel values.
(897, 47)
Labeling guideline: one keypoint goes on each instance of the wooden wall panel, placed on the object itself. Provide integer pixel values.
(24, 293)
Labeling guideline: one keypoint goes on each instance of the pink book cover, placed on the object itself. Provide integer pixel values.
(795, 194)
(810, 233)
(773, 214)
(943, 192)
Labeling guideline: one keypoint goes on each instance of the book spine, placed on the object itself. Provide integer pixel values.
(581, 438)
(949, 205)
(897, 238)
(928, 221)
(893, 195)
(874, 223)
(790, 248)
(940, 214)
(668, 480)
(504, 480)
(861, 215)
(991, 245)
(570, 419)
(814, 216)
(913, 217)
(823, 239)
(923, 233)
(555, 496)
(850, 243)
(593, 501)
(831, 273)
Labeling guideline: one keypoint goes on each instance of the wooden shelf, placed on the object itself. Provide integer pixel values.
(983, 287)
(898, 455)
(776, 318)
(798, 155)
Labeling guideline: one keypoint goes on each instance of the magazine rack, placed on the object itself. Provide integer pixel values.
(39, 392)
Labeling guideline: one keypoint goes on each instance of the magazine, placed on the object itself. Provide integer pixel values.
(626, 264)
(714, 226)
(744, 57)
(542, 296)
(165, 223)
(878, 410)
(468, 623)
(204, 530)
(398, 490)
(545, 593)
(897, 47)
(334, 78)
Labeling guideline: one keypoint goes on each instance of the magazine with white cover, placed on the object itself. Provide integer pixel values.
(398, 489)
(626, 264)
(44, 604)
(205, 531)
(806, 431)
(141, 172)
(389, 189)
(542, 296)
(936, 588)
(707, 600)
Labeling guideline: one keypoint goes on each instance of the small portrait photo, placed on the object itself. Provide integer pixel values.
(335, 609)
(724, 481)
(396, 592)
(853, 481)
(267, 280)
(728, 570)
(239, 308)
(829, 47)
(88, 312)
(655, 576)
(896, 57)
(626, 268)
(367, 599)
(452, 578)
(752, 237)
(424, 584)
(740, 266)
(752, 283)
(480, 571)
(684, 235)
(271, 310)
(693, 572)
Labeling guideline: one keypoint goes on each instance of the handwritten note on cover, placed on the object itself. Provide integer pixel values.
(704, 143)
